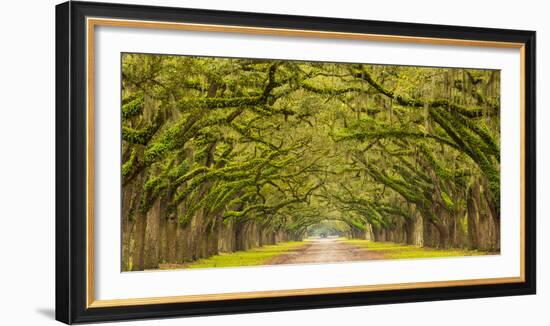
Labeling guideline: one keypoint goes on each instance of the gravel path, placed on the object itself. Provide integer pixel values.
(326, 251)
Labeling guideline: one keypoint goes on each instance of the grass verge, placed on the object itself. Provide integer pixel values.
(252, 257)
(392, 250)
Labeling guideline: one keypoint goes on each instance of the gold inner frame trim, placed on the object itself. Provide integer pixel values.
(92, 22)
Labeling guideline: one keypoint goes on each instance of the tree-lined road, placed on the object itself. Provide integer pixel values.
(226, 155)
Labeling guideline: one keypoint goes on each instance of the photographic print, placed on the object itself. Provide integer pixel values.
(230, 162)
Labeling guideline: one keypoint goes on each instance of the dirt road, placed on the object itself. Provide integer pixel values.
(326, 251)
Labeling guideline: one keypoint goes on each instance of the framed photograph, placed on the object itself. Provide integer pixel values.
(212, 162)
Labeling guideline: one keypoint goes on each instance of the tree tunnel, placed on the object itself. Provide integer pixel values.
(226, 154)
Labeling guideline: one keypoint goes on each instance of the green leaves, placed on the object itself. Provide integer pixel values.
(132, 105)
(292, 144)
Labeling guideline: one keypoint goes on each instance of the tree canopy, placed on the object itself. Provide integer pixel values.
(287, 145)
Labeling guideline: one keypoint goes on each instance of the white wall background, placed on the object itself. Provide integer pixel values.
(27, 161)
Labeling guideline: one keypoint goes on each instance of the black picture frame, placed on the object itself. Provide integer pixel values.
(71, 158)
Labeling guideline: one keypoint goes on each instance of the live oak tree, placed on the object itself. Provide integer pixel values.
(224, 154)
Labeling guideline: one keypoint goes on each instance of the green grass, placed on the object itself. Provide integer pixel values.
(392, 250)
(252, 257)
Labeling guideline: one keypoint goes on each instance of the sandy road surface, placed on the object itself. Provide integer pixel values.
(326, 251)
